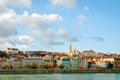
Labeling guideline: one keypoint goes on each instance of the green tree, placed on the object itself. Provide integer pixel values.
(47, 65)
(28, 66)
(34, 66)
(6, 66)
(61, 66)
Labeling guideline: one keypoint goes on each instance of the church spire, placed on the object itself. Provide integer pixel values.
(70, 49)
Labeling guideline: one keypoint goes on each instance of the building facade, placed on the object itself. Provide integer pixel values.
(74, 64)
(65, 62)
(28, 62)
(17, 64)
(117, 63)
(12, 51)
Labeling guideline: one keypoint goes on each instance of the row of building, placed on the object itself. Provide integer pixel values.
(12, 58)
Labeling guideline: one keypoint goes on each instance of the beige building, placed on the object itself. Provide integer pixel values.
(48, 61)
(117, 63)
(89, 53)
(2, 61)
(74, 53)
(27, 62)
(101, 64)
(12, 51)
(17, 64)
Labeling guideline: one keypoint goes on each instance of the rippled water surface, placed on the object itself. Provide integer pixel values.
(85, 76)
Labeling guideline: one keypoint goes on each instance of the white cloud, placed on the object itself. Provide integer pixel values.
(6, 42)
(64, 3)
(7, 27)
(96, 39)
(8, 16)
(38, 29)
(6, 13)
(54, 17)
(82, 19)
(85, 8)
(51, 17)
(50, 41)
(37, 23)
(24, 39)
(23, 3)
(16, 41)
(36, 18)
(65, 35)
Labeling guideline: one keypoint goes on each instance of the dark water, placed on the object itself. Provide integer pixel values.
(85, 76)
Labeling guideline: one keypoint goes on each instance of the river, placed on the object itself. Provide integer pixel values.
(84, 76)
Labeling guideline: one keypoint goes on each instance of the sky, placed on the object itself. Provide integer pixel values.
(51, 25)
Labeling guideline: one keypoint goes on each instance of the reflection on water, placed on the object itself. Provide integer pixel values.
(92, 76)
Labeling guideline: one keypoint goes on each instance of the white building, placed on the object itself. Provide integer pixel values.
(31, 61)
(12, 51)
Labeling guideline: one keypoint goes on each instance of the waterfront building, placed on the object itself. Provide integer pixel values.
(48, 57)
(117, 63)
(2, 54)
(7, 64)
(84, 63)
(74, 64)
(29, 62)
(101, 64)
(1, 65)
(99, 55)
(48, 62)
(12, 51)
(65, 62)
(91, 64)
(2, 60)
(54, 64)
(80, 61)
(17, 63)
(89, 53)
(111, 60)
(40, 53)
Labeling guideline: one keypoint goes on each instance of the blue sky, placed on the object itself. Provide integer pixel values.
(51, 25)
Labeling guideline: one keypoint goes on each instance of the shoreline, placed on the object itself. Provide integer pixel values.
(52, 71)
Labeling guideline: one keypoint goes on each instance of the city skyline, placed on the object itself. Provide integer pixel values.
(51, 25)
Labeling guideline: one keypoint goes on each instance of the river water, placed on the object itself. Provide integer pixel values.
(84, 76)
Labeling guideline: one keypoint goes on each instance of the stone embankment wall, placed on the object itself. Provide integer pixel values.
(37, 71)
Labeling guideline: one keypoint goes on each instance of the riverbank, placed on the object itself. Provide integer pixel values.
(40, 71)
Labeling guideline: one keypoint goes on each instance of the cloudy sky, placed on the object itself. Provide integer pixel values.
(51, 25)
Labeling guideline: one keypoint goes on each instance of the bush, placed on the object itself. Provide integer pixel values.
(61, 66)
(28, 66)
(34, 66)
(7, 66)
(47, 65)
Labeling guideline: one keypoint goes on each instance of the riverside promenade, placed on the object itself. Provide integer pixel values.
(38, 71)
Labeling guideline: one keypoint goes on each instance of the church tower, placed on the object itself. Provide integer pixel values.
(70, 50)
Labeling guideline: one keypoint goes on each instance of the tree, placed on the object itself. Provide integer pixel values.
(47, 65)
(28, 66)
(109, 66)
(34, 66)
(6, 66)
(61, 66)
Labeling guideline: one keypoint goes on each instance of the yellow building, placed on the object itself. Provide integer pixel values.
(116, 62)
(12, 51)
